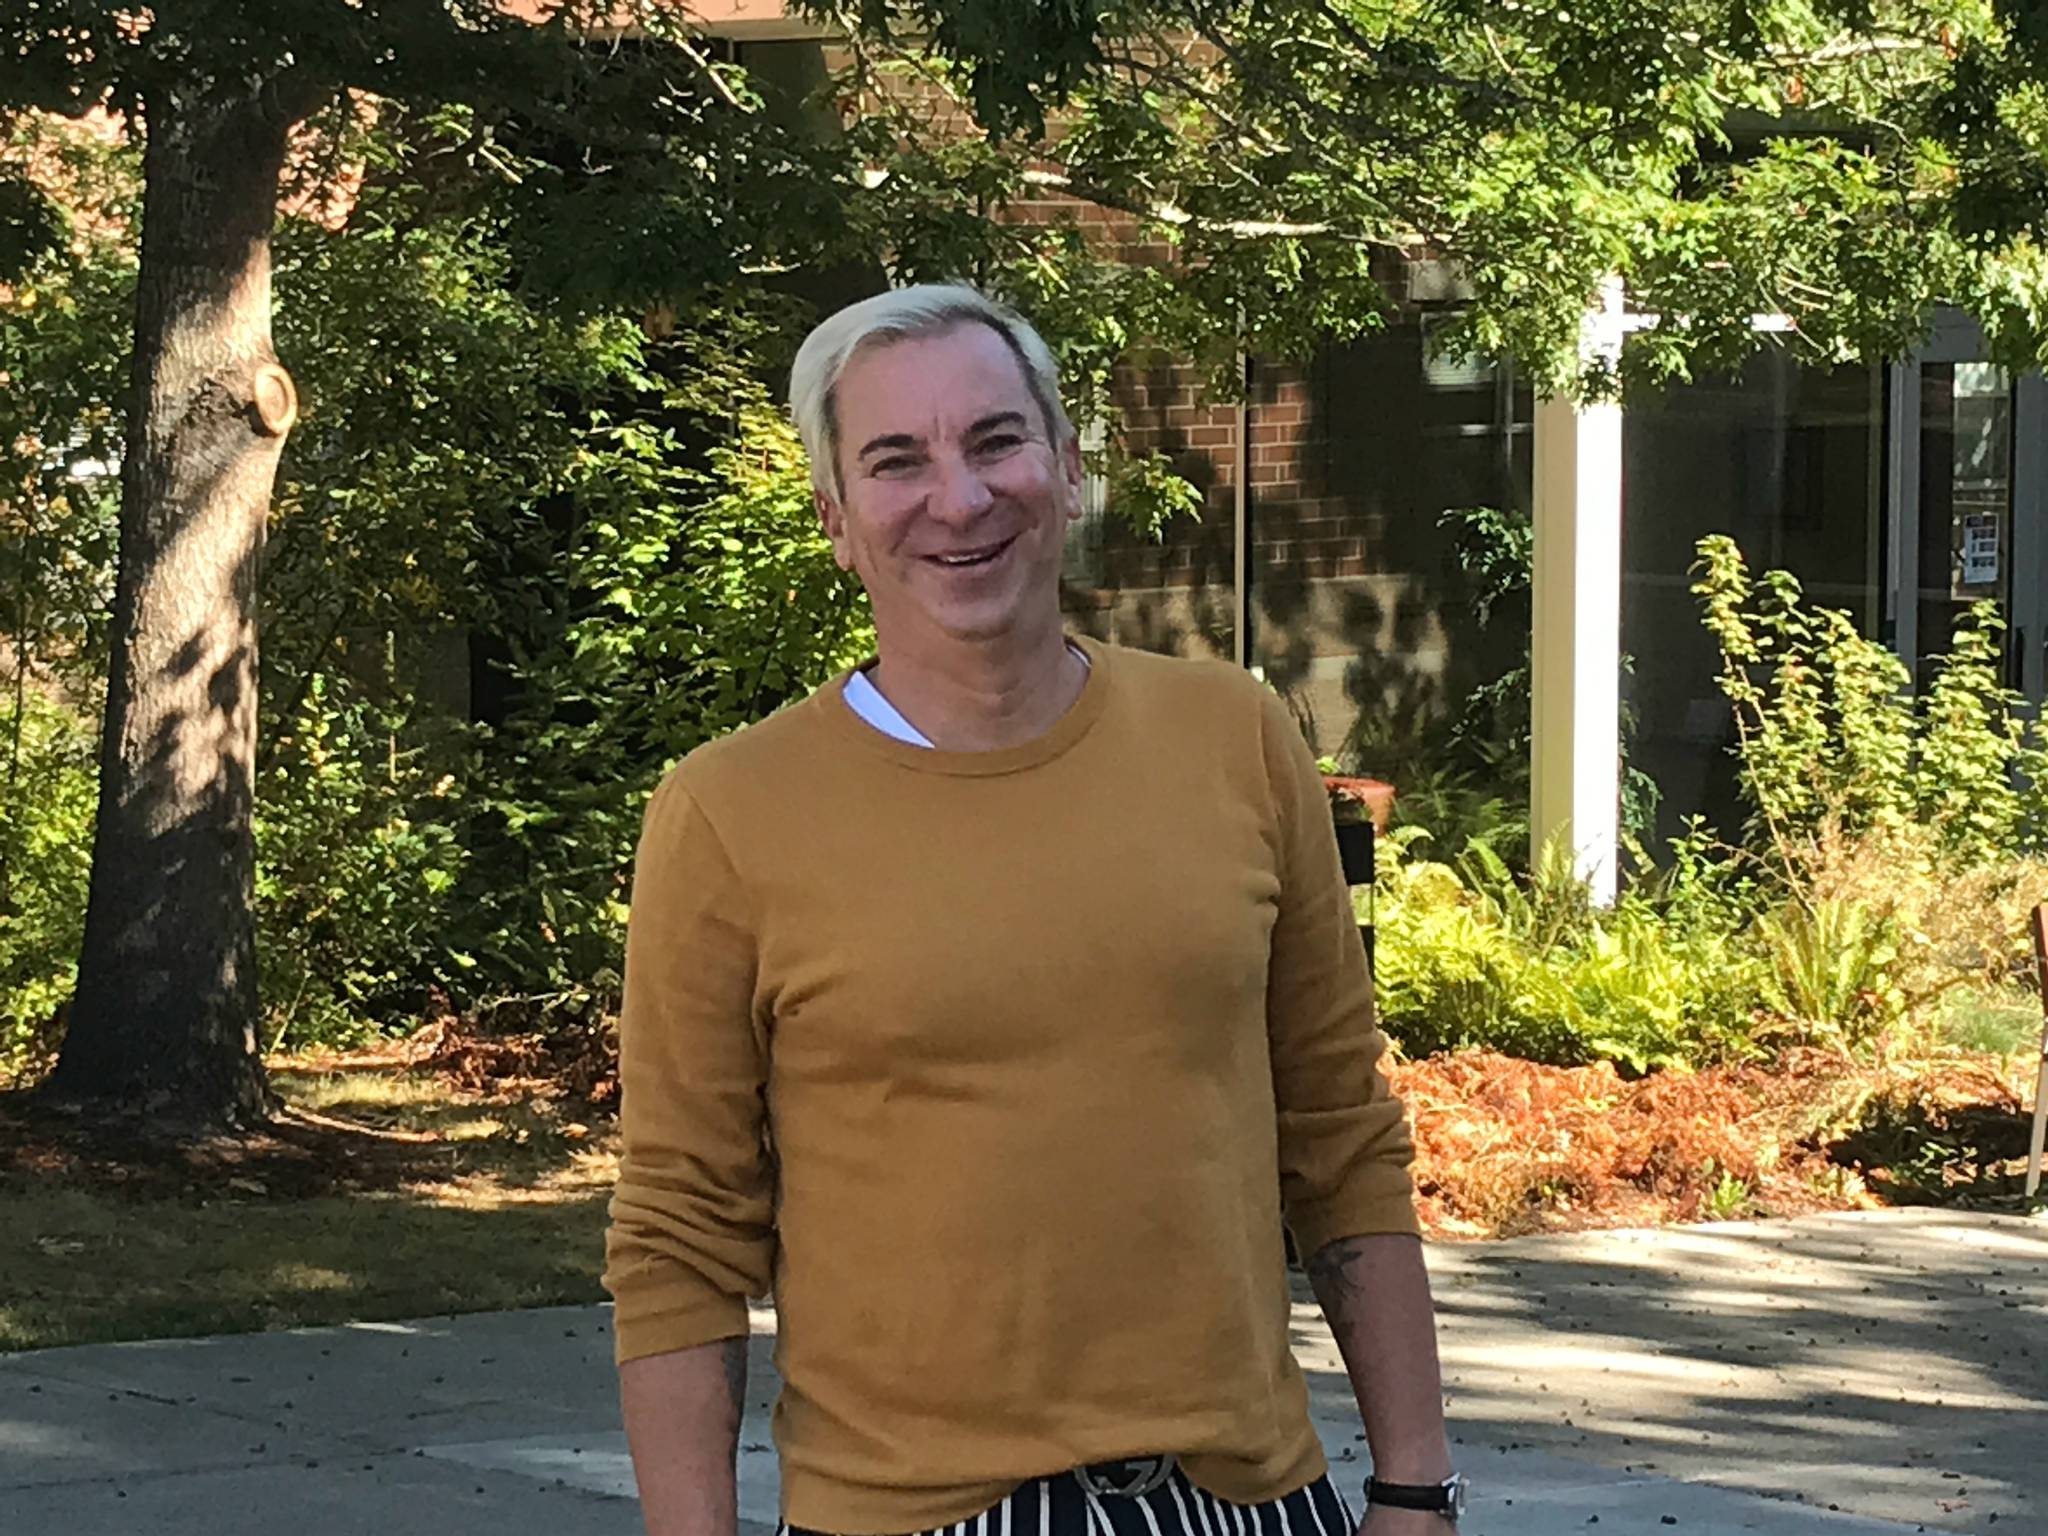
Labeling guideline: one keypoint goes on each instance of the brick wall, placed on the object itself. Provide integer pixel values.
(1302, 519)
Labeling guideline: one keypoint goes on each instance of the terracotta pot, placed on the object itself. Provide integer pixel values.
(1374, 797)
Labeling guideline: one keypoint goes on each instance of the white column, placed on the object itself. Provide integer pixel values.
(1575, 649)
(1902, 512)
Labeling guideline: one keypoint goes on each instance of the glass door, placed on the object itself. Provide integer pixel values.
(1967, 503)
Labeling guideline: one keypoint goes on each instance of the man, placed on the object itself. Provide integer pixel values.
(992, 1007)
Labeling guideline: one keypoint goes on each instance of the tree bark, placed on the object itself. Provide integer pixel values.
(165, 1014)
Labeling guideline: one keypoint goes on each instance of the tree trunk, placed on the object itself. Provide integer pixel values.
(165, 1015)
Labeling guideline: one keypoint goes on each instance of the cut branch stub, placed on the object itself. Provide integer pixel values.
(276, 400)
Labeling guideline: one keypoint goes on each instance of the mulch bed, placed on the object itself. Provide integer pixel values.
(301, 1154)
(1505, 1146)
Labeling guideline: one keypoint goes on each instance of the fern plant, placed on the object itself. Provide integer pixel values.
(1476, 955)
(1831, 971)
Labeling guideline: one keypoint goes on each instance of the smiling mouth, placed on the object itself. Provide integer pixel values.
(967, 560)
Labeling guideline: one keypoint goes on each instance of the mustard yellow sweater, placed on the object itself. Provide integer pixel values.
(998, 1069)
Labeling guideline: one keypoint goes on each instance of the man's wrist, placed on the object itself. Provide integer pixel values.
(1414, 1448)
(1422, 1469)
(1444, 1497)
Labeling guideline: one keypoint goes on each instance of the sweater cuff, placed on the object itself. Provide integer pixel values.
(639, 1331)
(1368, 1213)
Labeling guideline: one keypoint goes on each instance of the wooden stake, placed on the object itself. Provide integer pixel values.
(2034, 1147)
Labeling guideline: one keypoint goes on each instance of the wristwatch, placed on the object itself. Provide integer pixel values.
(1446, 1498)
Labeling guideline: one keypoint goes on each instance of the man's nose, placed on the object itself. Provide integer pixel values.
(962, 494)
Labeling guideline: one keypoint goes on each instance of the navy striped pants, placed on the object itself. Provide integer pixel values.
(1061, 1505)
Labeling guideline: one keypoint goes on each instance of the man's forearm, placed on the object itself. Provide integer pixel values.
(1375, 1293)
(682, 1415)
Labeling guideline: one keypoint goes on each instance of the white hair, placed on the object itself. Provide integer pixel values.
(897, 315)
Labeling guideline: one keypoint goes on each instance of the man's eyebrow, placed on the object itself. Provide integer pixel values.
(895, 440)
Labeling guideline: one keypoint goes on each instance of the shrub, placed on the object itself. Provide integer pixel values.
(1897, 840)
(1832, 740)
(1928, 929)
(616, 530)
(707, 599)
(356, 865)
(1460, 806)
(47, 801)
(1477, 957)
(522, 556)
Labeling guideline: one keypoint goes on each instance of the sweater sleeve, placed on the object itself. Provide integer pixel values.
(1345, 1142)
(692, 1216)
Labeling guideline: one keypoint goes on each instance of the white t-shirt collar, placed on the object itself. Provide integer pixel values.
(867, 701)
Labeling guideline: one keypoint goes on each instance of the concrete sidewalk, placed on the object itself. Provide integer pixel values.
(1836, 1376)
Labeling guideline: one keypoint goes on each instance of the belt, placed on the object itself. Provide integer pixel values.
(1131, 1478)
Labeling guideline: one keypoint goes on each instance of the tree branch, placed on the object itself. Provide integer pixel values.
(1507, 96)
(1168, 213)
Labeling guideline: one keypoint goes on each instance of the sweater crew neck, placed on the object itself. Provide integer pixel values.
(841, 718)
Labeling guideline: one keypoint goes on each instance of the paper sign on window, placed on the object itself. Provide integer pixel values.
(1980, 550)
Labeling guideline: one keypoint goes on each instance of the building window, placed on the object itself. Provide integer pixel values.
(1083, 565)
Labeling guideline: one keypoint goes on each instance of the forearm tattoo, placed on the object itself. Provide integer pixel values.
(1337, 1277)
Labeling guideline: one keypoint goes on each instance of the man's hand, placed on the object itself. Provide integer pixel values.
(1404, 1522)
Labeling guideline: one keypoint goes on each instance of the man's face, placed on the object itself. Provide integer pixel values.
(953, 499)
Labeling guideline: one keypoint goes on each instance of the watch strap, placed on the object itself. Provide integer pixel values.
(1444, 1498)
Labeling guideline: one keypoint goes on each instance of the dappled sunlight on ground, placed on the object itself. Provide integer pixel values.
(295, 1276)
(378, 1193)
(1903, 1354)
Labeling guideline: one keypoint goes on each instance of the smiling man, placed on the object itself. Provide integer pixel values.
(993, 1008)
(959, 478)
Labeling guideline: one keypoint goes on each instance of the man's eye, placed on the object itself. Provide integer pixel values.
(895, 464)
(1001, 442)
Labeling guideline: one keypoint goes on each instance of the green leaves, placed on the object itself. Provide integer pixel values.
(1476, 956)
(527, 548)
(689, 598)
(31, 225)
(1833, 741)
(1831, 969)
(1020, 55)
(48, 791)
(63, 367)
(1843, 165)
(358, 863)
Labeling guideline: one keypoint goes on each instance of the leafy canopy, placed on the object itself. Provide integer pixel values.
(604, 122)
(1842, 163)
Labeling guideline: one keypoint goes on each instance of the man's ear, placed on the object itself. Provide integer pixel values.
(1074, 473)
(832, 517)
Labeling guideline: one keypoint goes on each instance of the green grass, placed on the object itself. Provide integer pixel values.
(2005, 1022)
(469, 1203)
(99, 1269)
